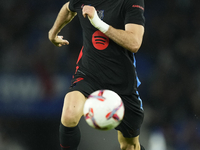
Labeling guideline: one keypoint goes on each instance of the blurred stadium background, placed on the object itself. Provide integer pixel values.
(34, 77)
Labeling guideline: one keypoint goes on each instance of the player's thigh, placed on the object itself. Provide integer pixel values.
(72, 108)
(128, 143)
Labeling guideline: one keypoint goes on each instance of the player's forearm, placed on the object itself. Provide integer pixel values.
(126, 39)
(63, 18)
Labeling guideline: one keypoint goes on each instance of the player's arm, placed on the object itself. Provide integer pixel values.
(63, 18)
(130, 38)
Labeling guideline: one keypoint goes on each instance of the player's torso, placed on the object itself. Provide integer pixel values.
(102, 57)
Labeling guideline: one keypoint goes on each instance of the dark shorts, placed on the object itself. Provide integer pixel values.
(134, 114)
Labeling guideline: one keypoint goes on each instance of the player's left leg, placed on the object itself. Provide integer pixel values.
(129, 128)
(129, 143)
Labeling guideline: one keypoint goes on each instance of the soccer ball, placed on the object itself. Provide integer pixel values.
(103, 110)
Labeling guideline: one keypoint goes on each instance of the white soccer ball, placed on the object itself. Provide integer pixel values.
(103, 110)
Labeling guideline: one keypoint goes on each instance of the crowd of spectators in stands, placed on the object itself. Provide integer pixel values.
(168, 62)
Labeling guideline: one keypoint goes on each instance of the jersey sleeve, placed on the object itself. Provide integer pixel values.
(71, 5)
(134, 12)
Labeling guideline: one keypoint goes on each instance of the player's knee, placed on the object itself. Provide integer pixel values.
(70, 115)
(69, 118)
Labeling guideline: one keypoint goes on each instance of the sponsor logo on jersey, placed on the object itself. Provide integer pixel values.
(99, 40)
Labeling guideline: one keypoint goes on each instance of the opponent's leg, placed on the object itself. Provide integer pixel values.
(129, 143)
(71, 114)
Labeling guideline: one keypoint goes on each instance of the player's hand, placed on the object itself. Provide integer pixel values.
(92, 15)
(57, 40)
(88, 11)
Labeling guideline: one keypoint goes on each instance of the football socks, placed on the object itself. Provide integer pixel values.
(69, 137)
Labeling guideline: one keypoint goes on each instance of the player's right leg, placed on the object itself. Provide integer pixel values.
(71, 114)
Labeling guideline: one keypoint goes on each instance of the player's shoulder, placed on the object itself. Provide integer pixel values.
(72, 4)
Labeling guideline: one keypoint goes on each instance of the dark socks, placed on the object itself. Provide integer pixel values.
(69, 137)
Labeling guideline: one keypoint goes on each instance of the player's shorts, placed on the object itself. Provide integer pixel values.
(133, 117)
